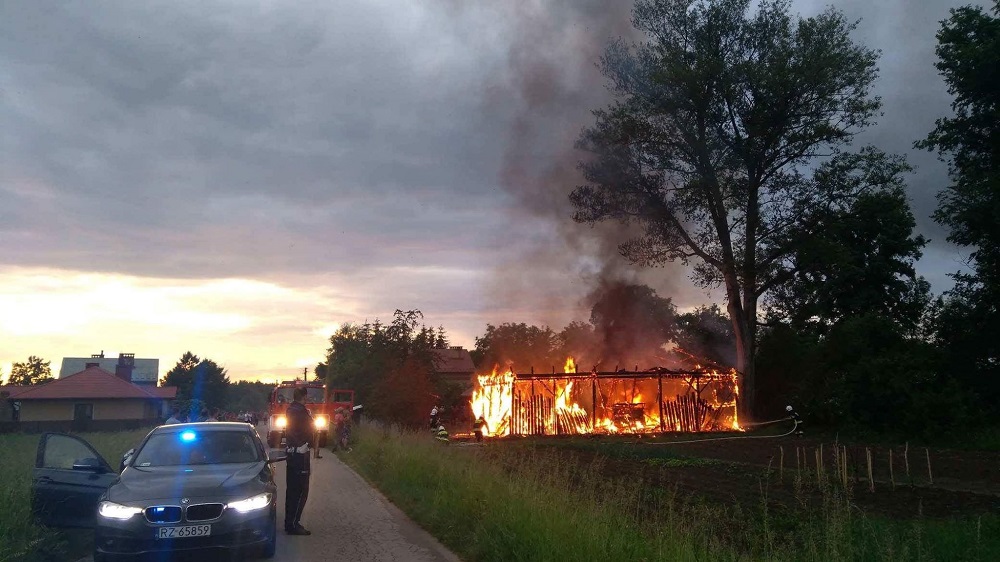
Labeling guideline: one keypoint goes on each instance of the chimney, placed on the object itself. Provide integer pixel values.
(89, 365)
(123, 370)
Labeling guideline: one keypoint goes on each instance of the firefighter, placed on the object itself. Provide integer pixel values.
(340, 428)
(477, 428)
(298, 435)
(441, 434)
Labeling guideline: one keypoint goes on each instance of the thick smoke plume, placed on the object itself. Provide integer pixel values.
(553, 83)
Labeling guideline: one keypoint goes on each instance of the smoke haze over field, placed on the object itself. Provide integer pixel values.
(238, 179)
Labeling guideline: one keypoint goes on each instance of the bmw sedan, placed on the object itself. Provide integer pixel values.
(186, 487)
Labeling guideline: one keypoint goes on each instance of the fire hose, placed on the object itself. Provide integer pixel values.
(792, 416)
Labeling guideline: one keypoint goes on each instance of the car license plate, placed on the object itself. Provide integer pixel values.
(181, 532)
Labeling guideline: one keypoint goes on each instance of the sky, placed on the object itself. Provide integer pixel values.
(240, 178)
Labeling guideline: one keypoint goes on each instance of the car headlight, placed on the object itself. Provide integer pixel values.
(259, 501)
(280, 422)
(113, 510)
(320, 422)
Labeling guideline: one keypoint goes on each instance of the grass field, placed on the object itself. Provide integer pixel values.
(20, 537)
(554, 500)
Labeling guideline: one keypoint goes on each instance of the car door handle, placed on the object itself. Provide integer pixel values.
(43, 480)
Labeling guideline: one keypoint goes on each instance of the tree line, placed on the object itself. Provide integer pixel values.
(201, 384)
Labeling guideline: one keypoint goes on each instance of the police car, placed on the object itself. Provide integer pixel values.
(186, 487)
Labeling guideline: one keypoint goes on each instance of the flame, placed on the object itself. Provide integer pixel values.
(550, 404)
(492, 399)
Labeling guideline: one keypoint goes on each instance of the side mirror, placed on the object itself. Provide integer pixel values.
(125, 458)
(276, 455)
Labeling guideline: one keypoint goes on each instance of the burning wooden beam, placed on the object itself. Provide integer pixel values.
(617, 402)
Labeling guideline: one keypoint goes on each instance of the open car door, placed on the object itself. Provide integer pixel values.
(68, 479)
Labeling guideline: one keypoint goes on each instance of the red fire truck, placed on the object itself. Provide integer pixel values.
(320, 401)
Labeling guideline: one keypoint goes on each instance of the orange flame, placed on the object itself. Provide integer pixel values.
(627, 405)
(492, 400)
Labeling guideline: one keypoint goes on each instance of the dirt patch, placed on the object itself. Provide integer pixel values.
(748, 472)
(973, 471)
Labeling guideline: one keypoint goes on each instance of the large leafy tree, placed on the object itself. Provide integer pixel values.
(632, 324)
(725, 134)
(356, 358)
(33, 371)
(198, 379)
(389, 366)
(863, 263)
(706, 333)
(520, 345)
(968, 58)
(576, 340)
(865, 374)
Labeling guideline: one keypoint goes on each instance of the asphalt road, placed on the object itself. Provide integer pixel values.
(350, 521)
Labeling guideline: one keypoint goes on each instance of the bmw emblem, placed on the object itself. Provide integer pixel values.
(185, 500)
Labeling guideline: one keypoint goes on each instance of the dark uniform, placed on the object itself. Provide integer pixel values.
(477, 427)
(298, 436)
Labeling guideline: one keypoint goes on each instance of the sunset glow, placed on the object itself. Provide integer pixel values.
(254, 328)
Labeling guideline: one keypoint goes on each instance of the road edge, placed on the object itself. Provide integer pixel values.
(436, 545)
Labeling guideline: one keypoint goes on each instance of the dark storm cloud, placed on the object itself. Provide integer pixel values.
(161, 138)
(207, 139)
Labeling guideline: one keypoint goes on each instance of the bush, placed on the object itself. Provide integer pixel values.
(866, 376)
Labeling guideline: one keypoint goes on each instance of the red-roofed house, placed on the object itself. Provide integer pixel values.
(92, 399)
(454, 365)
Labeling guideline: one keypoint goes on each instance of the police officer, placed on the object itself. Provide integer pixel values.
(298, 436)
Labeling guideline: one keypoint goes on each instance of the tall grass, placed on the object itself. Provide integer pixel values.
(532, 503)
(527, 507)
(20, 537)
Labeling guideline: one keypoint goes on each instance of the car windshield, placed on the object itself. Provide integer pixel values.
(197, 447)
(314, 395)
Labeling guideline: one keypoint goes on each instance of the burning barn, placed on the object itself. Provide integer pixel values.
(616, 402)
